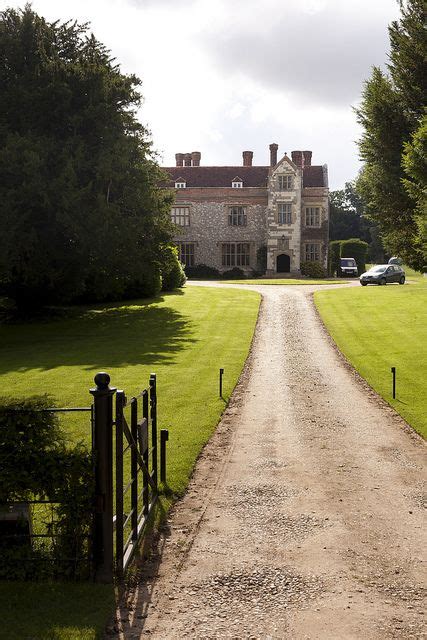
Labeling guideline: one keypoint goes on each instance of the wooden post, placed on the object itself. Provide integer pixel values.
(393, 371)
(221, 373)
(164, 437)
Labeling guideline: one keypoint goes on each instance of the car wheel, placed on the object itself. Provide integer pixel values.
(402, 280)
(382, 281)
(363, 284)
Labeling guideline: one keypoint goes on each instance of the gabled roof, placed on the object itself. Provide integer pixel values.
(287, 159)
(237, 179)
(313, 176)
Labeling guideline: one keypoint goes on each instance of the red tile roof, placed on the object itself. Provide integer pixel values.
(223, 176)
(314, 176)
(219, 176)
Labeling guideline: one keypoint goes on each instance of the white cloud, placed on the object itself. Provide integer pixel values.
(221, 76)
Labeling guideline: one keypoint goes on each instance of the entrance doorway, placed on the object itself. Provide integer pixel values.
(283, 263)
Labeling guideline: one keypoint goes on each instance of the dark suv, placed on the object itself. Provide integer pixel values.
(382, 274)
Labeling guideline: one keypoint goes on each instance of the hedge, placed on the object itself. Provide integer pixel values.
(357, 249)
(312, 269)
(37, 464)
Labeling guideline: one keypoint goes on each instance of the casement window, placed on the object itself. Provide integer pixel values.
(285, 183)
(312, 216)
(180, 185)
(235, 254)
(237, 217)
(236, 184)
(186, 253)
(312, 252)
(181, 216)
(284, 213)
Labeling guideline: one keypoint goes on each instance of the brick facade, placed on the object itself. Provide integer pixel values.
(283, 207)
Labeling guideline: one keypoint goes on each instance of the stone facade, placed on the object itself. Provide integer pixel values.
(224, 215)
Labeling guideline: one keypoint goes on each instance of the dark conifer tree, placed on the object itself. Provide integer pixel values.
(391, 112)
(82, 215)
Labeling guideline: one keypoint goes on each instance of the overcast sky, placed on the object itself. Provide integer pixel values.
(223, 76)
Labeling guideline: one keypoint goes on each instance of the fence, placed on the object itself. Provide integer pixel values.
(125, 454)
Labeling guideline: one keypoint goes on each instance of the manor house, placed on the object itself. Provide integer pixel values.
(229, 216)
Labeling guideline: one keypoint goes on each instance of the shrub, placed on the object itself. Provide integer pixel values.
(147, 285)
(202, 271)
(36, 464)
(334, 257)
(312, 269)
(233, 274)
(357, 249)
(173, 275)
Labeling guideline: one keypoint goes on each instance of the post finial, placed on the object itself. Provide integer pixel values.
(102, 380)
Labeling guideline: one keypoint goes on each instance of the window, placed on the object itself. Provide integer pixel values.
(285, 183)
(180, 185)
(237, 217)
(284, 213)
(312, 252)
(312, 217)
(181, 216)
(186, 253)
(237, 184)
(235, 254)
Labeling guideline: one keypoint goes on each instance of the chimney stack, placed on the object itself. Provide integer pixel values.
(187, 159)
(247, 158)
(297, 158)
(307, 158)
(179, 157)
(273, 154)
(195, 156)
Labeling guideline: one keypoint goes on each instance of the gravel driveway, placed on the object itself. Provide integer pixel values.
(304, 518)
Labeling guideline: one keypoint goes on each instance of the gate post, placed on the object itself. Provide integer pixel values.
(153, 415)
(102, 447)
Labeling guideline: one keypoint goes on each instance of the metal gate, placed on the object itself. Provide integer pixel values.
(125, 446)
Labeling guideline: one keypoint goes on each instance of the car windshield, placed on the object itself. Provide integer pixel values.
(378, 269)
(348, 263)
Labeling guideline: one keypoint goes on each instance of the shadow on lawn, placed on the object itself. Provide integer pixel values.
(100, 337)
(49, 611)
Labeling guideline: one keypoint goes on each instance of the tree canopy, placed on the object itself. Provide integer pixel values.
(391, 114)
(81, 207)
(347, 219)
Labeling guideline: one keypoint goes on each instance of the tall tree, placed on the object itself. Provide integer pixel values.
(347, 220)
(346, 214)
(390, 112)
(80, 202)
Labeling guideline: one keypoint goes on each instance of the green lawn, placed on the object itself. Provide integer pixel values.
(283, 281)
(380, 327)
(185, 338)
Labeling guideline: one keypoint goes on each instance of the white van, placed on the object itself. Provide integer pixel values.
(348, 267)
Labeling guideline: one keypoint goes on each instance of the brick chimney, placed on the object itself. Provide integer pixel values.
(307, 158)
(187, 159)
(247, 158)
(273, 154)
(179, 157)
(297, 158)
(195, 156)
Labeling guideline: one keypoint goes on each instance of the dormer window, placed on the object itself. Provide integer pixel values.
(285, 183)
(237, 183)
(180, 184)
